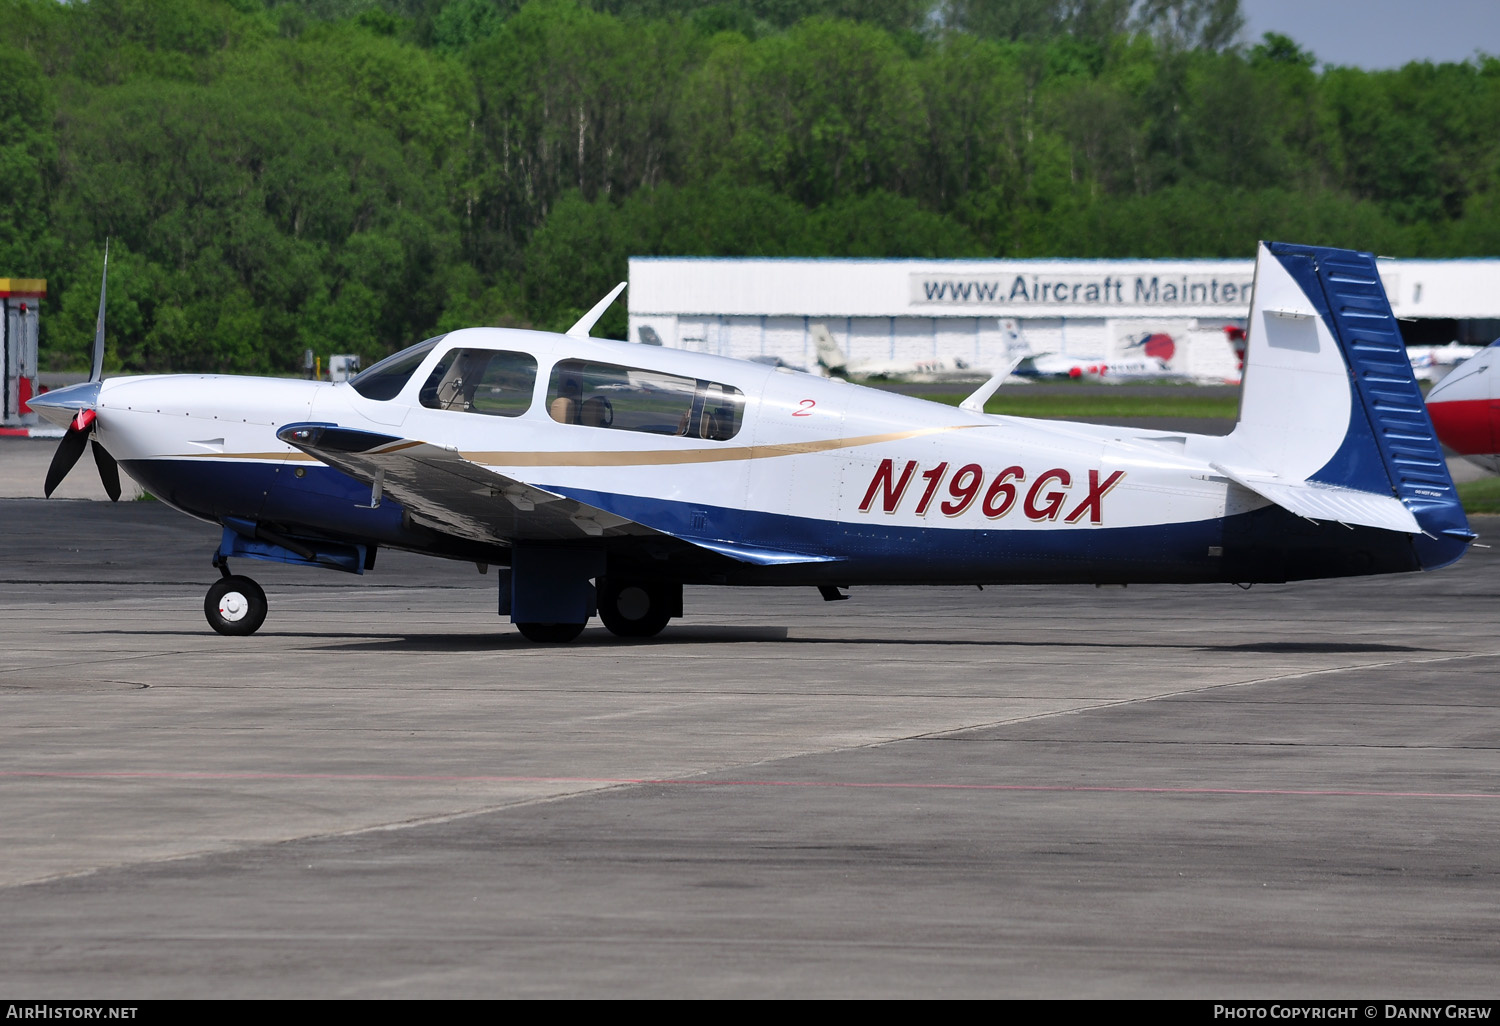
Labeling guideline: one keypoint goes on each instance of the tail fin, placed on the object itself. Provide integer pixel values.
(830, 357)
(1332, 423)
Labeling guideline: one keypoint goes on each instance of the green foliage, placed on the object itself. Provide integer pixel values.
(352, 175)
(1481, 496)
(1093, 401)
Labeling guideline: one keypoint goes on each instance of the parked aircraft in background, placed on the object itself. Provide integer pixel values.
(1433, 363)
(1465, 408)
(602, 475)
(1148, 364)
(1094, 368)
(834, 363)
(1237, 337)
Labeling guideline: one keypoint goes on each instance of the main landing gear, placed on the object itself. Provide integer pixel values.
(629, 609)
(235, 605)
(636, 610)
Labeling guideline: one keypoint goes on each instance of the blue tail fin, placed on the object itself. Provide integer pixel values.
(1332, 421)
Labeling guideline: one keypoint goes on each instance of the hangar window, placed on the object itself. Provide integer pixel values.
(499, 384)
(630, 399)
(386, 379)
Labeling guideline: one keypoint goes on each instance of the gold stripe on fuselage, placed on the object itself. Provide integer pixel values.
(626, 458)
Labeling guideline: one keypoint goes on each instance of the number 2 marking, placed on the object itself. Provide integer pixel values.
(807, 406)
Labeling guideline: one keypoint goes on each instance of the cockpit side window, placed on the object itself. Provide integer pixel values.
(630, 399)
(498, 384)
(387, 378)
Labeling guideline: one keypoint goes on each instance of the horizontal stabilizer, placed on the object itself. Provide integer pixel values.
(1327, 502)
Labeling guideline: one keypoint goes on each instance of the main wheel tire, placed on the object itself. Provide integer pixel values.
(550, 633)
(235, 606)
(633, 610)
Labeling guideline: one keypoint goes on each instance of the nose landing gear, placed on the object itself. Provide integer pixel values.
(234, 605)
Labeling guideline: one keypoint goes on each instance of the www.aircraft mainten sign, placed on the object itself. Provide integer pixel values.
(1083, 292)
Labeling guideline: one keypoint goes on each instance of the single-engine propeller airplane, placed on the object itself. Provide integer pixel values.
(603, 475)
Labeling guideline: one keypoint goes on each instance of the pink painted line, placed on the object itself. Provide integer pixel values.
(669, 782)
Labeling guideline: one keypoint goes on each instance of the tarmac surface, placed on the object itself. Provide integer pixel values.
(1182, 792)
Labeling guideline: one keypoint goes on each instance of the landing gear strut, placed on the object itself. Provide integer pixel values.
(234, 605)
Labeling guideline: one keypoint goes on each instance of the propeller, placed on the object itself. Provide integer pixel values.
(81, 428)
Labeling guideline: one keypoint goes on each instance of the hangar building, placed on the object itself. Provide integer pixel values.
(977, 310)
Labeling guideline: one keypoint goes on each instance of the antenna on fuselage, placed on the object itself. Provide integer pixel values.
(588, 320)
(975, 402)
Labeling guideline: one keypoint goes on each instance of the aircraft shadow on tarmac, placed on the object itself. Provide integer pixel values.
(719, 634)
(1334, 647)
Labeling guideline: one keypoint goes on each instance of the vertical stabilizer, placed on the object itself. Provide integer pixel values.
(1332, 422)
(830, 357)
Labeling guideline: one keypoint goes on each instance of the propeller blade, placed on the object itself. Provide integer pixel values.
(68, 451)
(109, 470)
(96, 368)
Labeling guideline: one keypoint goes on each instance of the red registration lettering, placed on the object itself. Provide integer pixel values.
(1093, 504)
(1042, 502)
(932, 477)
(885, 482)
(964, 487)
(1053, 499)
(1002, 494)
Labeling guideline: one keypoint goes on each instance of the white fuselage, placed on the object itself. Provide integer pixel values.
(809, 448)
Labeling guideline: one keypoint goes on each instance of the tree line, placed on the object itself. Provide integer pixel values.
(354, 175)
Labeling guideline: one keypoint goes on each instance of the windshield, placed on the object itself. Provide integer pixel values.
(386, 379)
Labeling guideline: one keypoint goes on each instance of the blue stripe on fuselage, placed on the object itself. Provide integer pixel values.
(1268, 544)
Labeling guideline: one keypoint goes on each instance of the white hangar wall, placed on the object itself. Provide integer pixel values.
(974, 310)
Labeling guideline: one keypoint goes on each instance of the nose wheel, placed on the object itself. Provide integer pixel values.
(235, 605)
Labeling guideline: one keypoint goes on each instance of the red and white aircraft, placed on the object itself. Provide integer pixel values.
(1465, 408)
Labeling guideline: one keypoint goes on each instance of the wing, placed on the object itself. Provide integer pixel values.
(442, 490)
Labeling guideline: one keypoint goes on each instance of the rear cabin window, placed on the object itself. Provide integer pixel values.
(495, 383)
(387, 378)
(629, 399)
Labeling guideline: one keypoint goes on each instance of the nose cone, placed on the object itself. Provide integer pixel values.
(61, 405)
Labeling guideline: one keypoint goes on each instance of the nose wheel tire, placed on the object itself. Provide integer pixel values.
(631, 610)
(235, 606)
(550, 633)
